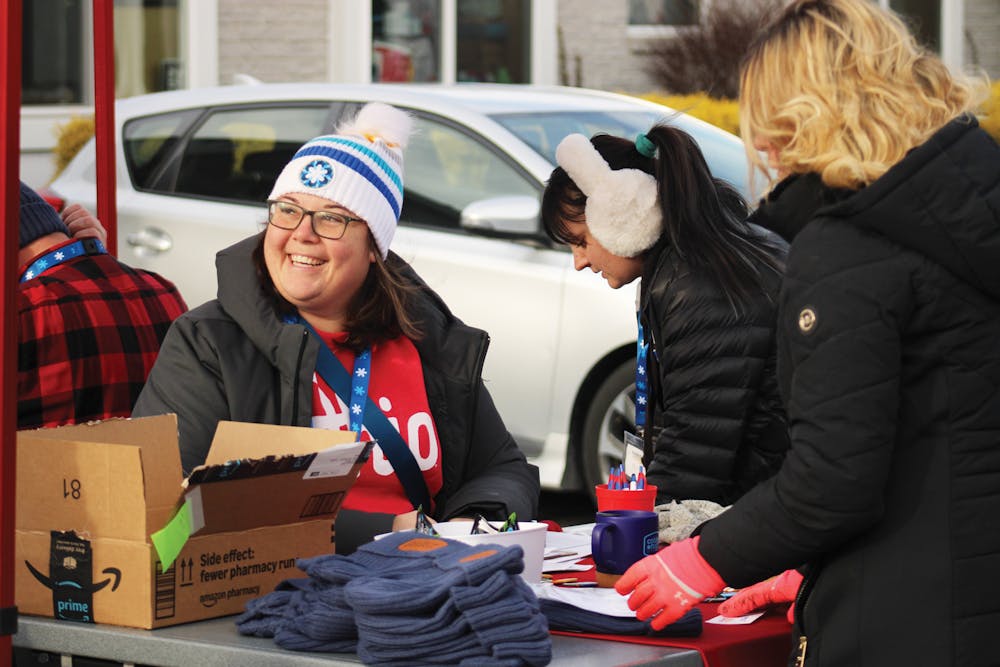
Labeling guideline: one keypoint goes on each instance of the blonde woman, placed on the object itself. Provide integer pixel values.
(888, 355)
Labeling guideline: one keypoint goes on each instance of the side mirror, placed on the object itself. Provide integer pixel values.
(510, 216)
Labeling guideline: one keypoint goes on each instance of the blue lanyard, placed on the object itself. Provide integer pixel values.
(87, 246)
(359, 390)
(359, 378)
(382, 430)
(641, 378)
(641, 386)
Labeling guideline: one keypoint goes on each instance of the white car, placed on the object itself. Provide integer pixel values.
(194, 168)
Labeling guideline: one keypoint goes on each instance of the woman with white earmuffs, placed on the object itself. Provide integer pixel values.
(707, 402)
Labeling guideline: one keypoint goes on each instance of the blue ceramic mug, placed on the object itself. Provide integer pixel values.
(622, 537)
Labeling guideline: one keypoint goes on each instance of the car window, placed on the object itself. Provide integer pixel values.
(544, 130)
(448, 168)
(149, 141)
(237, 153)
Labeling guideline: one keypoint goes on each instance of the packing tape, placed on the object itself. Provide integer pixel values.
(169, 540)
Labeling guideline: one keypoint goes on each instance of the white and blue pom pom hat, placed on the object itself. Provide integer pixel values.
(360, 167)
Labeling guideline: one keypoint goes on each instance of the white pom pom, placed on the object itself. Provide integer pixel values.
(382, 121)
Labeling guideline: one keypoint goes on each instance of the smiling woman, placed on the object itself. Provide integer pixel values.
(318, 324)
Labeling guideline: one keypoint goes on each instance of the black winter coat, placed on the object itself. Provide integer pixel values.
(233, 358)
(717, 426)
(889, 360)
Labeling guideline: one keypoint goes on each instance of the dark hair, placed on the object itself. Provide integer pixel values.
(380, 311)
(704, 218)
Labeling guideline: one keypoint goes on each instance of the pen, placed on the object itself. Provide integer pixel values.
(580, 584)
(721, 597)
(641, 481)
(567, 580)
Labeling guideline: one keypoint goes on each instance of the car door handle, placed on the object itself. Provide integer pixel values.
(150, 241)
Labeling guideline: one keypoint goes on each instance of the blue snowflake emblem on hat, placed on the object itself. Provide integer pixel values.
(316, 174)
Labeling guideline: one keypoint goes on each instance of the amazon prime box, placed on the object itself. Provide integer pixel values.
(109, 532)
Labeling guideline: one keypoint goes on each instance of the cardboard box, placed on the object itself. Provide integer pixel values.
(91, 496)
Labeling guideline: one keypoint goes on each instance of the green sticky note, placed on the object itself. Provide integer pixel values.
(170, 539)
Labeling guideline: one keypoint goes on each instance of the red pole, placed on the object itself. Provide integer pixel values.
(104, 117)
(10, 151)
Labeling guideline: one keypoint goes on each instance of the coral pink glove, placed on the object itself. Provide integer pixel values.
(782, 588)
(665, 585)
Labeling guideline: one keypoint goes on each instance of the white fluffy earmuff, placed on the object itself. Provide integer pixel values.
(623, 211)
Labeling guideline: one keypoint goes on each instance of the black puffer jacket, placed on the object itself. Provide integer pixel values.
(233, 358)
(889, 359)
(717, 426)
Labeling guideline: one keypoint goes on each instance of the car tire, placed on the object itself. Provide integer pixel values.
(611, 411)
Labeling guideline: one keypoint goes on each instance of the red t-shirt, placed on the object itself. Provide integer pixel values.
(396, 385)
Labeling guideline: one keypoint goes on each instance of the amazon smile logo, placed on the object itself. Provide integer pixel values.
(71, 578)
(116, 576)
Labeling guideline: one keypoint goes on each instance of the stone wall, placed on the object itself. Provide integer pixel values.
(273, 40)
(982, 36)
(597, 50)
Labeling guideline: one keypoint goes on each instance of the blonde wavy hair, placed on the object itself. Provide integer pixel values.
(841, 88)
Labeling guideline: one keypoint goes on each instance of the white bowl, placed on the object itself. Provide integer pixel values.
(530, 536)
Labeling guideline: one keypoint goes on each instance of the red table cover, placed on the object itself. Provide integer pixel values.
(767, 642)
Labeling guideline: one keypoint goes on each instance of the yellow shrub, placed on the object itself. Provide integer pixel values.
(719, 112)
(70, 138)
(990, 120)
(725, 113)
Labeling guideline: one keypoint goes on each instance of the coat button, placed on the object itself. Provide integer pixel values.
(807, 320)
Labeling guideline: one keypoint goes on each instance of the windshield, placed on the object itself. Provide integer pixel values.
(543, 131)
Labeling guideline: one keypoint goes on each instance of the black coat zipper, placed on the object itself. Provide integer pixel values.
(801, 600)
(294, 418)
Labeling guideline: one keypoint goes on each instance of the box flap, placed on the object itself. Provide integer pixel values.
(93, 488)
(131, 467)
(240, 440)
(305, 475)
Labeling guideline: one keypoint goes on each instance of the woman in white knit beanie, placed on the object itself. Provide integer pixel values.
(317, 324)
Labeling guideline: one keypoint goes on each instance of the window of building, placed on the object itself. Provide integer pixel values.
(56, 58)
(147, 47)
(493, 41)
(51, 67)
(923, 18)
(406, 36)
(663, 12)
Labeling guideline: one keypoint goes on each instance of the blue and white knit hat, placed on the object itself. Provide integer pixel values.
(360, 167)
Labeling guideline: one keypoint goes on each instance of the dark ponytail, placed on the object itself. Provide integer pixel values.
(705, 218)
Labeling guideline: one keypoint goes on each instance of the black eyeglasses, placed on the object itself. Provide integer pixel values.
(286, 215)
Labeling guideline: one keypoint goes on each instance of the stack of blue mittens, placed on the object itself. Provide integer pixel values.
(409, 599)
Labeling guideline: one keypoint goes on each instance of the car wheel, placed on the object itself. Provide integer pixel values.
(611, 411)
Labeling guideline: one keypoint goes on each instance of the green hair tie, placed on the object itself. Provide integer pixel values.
(644, 145)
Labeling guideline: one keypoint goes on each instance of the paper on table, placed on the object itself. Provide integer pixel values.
(568, 543)
(579, 529)
(736, 620)
(601, 600)
(562, 550)
(569, 565)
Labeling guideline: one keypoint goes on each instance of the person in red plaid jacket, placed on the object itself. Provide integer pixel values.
(89, 326)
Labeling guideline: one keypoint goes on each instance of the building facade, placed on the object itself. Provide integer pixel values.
(604, 44)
